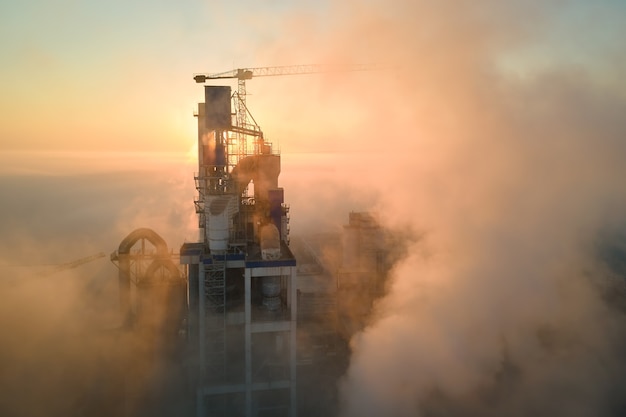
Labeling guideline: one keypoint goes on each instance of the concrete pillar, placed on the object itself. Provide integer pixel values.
(292, 345)
(248, 318)
(201, 322)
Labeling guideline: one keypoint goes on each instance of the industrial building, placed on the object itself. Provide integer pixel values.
(241, 272)
(232, 298)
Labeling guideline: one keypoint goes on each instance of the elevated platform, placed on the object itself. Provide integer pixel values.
(193, 253)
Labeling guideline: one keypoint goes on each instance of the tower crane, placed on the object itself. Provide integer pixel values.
(219, 152)
(243, 74)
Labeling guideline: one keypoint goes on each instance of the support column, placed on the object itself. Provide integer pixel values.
(293, 288)
(201, 322)
(248, 317)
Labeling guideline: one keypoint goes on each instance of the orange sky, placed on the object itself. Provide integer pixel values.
(75, 83)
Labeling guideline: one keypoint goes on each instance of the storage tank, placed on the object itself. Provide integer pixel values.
(270, 288)
(270, 242)
(218, 212)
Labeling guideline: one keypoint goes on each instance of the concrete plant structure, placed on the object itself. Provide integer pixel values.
(241, 273)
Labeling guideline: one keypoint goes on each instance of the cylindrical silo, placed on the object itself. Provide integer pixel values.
(270, 288)
(218, 210)
(270, 242)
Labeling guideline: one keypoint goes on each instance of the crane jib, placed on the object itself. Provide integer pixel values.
(248, 73)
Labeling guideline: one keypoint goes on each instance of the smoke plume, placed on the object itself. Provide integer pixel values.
(497, 132)
(504, 143)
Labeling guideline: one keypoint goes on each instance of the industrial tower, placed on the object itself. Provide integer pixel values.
(241, 272)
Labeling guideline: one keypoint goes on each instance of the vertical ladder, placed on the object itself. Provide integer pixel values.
(215, 291)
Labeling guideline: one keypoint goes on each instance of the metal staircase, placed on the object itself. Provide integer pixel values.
(215, 286)
(215, 292)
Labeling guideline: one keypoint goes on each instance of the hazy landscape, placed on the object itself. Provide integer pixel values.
(497, 134)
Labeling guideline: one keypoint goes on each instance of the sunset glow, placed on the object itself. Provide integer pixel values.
(496, 138)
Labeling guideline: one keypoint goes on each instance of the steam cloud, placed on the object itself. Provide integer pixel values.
(515, 173)
(64, 349)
